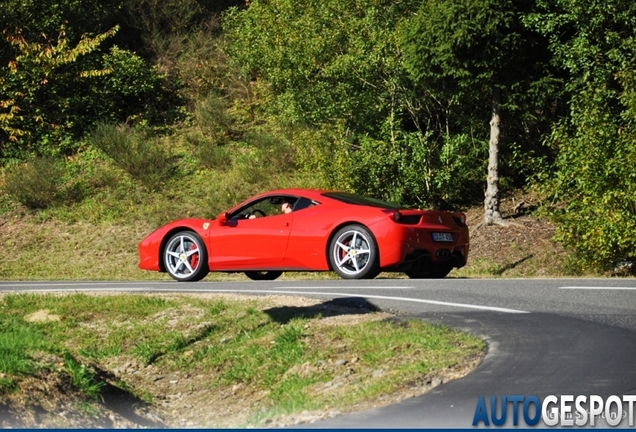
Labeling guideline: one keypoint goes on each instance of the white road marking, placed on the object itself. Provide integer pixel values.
(336, 294)
(44, 284)
(349, 287)
(599, 288)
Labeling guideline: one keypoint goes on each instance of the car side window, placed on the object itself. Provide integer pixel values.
(265, 207)
(303, 203)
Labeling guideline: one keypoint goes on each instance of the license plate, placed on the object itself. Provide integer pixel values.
(442, 237)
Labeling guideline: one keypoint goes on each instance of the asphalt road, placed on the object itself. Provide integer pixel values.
(545, 336)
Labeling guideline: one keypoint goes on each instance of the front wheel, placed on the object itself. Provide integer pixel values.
(353, 253)
(263, 275)
(185, 257)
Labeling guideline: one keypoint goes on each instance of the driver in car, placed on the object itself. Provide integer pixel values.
(285, 208)
(287, 205)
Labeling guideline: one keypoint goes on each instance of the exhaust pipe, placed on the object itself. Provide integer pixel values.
(443, 254)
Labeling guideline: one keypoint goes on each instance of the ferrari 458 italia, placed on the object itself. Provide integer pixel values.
(310, 230)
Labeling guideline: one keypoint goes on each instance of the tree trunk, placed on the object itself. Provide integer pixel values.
(491, 203)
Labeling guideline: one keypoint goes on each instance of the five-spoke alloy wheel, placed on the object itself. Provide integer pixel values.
(353, 253)
(185, 257)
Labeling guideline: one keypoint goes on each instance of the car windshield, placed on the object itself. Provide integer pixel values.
(350, 198)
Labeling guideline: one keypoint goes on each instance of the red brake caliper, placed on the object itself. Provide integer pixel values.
(343, 253)
(194, 258)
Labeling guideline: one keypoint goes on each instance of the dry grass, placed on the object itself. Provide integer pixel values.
(61, 251)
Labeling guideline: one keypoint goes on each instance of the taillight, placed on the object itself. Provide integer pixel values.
(460, 219)
(393, 214)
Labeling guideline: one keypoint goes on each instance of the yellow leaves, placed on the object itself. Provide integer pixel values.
(95, 73)
(52, 56)
(7, 103)
(35, 66)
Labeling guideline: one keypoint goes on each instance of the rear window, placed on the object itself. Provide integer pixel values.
(350, 198)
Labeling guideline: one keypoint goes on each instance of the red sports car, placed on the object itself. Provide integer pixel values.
(310, 230)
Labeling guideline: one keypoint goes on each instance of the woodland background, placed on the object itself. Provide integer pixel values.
(115, 112)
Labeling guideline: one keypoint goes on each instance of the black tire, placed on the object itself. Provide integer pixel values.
(263, 275)
(439, 272)
(185, 257)
(358, 262)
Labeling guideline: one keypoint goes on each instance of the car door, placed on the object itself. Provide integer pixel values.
(244, 244)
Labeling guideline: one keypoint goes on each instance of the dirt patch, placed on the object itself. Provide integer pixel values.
(523, 247)
(41, 316)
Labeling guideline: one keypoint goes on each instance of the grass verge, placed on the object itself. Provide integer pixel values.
(217, 360)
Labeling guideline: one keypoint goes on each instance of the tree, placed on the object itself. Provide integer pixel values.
(327, 61)
(593, 184)
(25, 113)
(61, 71)
(335, 66)
(473, 54)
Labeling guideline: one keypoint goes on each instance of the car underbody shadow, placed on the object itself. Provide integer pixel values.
(335, 307)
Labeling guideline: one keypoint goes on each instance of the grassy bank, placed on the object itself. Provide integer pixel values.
(211, 361)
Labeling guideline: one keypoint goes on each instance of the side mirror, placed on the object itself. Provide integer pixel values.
(222, 218)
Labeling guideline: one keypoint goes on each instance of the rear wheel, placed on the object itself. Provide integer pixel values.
(185, 257)
(263, 275)
(439, 272)
(353, 253)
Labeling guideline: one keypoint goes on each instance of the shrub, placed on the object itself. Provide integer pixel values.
(134, 152)
(273, 152)
(35, 183)
(212, 117)
(212, 155)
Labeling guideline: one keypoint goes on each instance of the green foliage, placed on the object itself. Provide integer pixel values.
(17, 342)
(397, 172)
(82, 378)
(213, 133)
(130, 90)
(396, 92)
(327, 61)
(30, 83)
(36, 183)
(344, 77)
(458, 54)
(593, 183)
(462, 162)
(134, 152)
(209, 153)
(255, 345)
(63, 74)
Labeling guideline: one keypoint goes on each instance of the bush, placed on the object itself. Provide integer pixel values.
(213, 130)
(135, 153)
(209, 153)
(273, 152)
(35, 183)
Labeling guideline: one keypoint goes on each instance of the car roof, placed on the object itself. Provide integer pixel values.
(307, 193)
